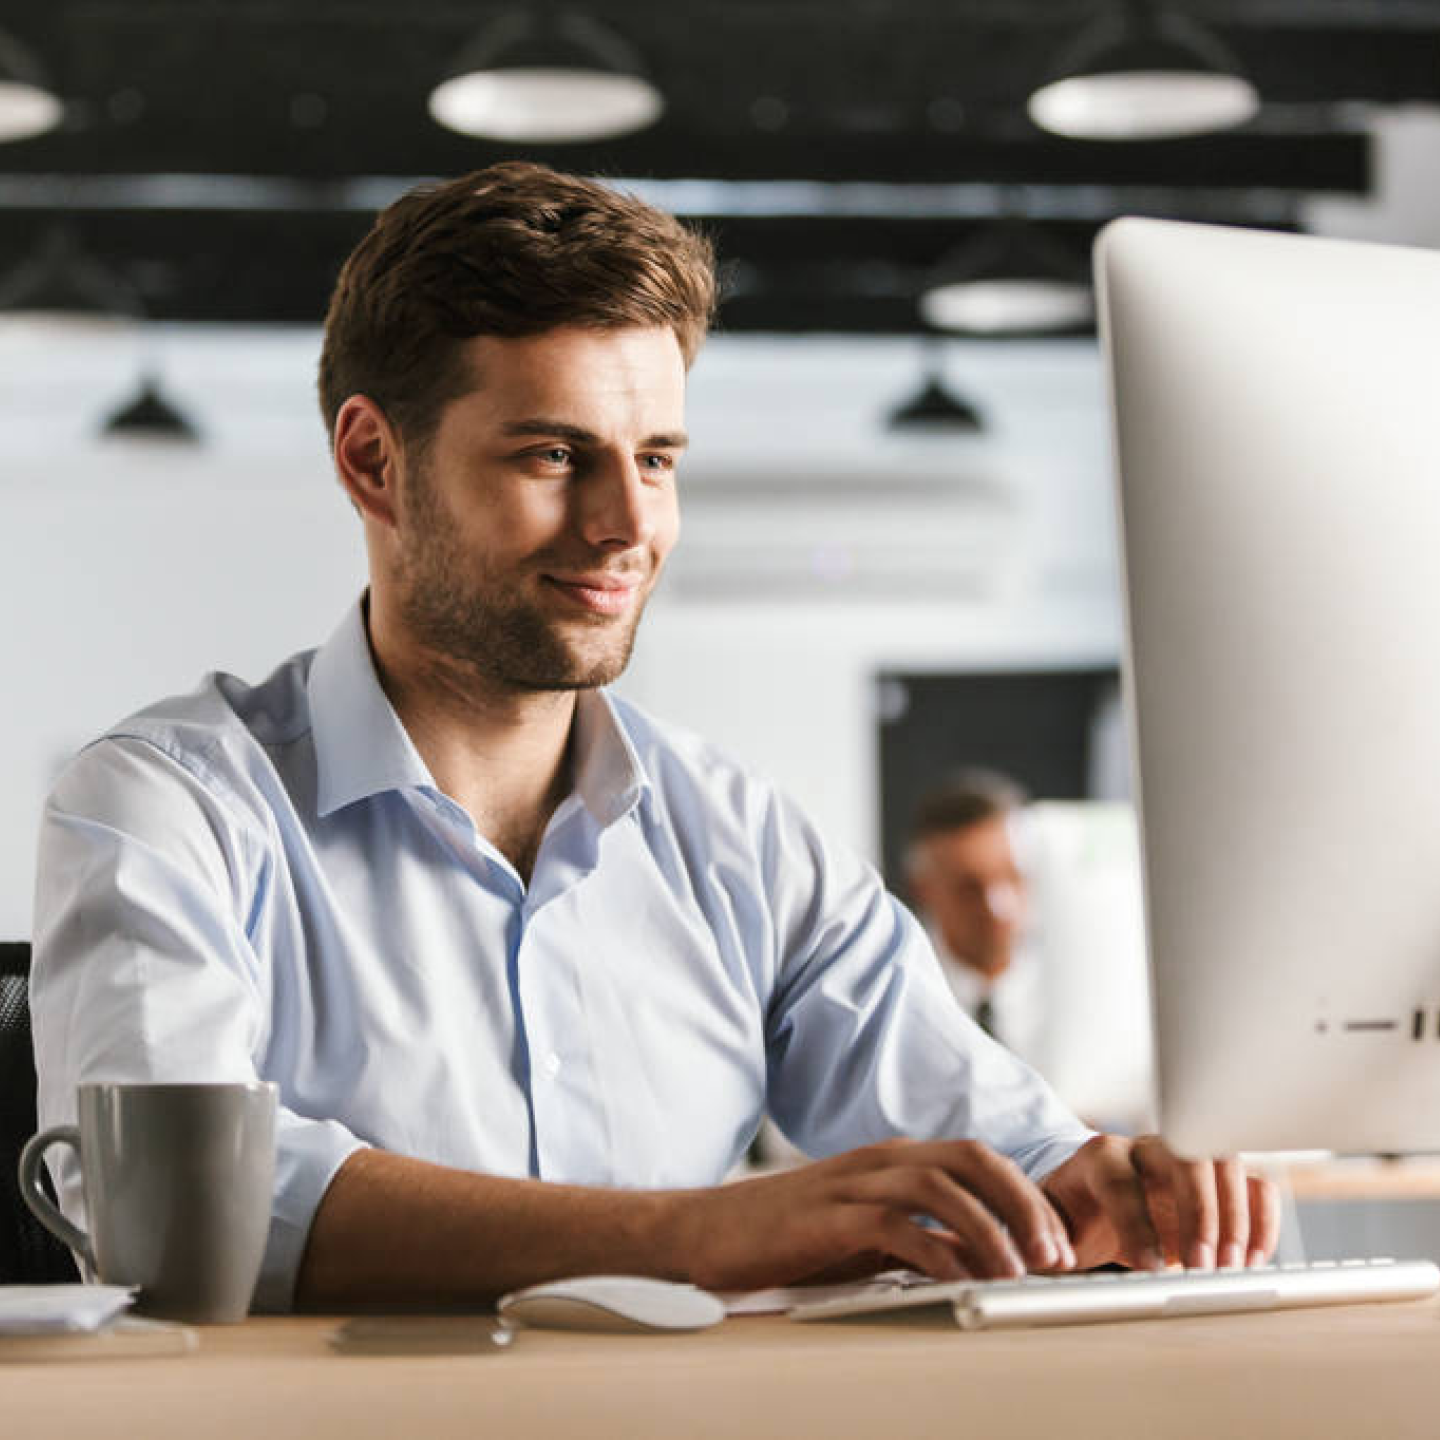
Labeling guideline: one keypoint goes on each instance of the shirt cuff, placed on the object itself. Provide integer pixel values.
(307, 1155)
(1038, 1161)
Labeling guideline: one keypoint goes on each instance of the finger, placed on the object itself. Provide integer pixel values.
(1118, 1183)
(1008, 1193)
(879, 1229)
(1264, 1219)
(1232, 1196)
(932, 1252)
(1191, 1189)
(908, 1190)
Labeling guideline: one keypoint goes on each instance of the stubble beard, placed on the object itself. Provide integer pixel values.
(487, 629)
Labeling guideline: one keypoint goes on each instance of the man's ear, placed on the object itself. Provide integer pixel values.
(368, 458)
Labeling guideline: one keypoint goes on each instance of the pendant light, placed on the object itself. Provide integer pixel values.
(150, 417)
(60, 284)
(1011, 279)
(551, 77)
(934, 408)
(28, 106)
(1144, 72)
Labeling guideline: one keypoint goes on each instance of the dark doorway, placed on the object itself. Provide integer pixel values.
(1042, 728)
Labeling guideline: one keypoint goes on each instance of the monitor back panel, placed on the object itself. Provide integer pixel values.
(1276, 408)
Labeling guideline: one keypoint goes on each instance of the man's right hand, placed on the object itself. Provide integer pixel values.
(864, 1210)
(397, 1231)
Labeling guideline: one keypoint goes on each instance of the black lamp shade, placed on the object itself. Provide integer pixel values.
(935, 408)
(150, 416)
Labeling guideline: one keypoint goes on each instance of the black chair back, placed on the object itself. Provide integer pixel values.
(29, 1253)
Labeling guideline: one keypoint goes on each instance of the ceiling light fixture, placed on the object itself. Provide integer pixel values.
(547, 78)
(1144, 73)
(149, 416)
(27, 105)
(1012, 279)
(60, 283)
(935, 409)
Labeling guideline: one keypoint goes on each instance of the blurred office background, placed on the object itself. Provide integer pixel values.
(897, 550)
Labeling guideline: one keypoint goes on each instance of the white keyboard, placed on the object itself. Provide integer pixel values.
(1135, 1295)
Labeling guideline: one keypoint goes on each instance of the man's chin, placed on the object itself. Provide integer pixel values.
(575, 672)
(593, 680)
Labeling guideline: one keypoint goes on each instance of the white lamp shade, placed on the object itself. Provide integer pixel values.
(541, 105)
(1143, 105)
(1006, 306)
(27, 110)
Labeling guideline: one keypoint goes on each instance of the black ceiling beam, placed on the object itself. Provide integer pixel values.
(781, 274)
(1334, 162)
(920, 90)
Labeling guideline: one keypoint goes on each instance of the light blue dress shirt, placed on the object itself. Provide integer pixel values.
(265, 881)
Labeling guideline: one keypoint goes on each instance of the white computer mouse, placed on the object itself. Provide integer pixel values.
(612, 1302)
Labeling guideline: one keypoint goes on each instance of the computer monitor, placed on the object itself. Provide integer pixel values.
(1085, 933)
(1276, 409)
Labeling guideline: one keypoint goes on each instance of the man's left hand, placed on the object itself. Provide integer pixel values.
(1138, 1203)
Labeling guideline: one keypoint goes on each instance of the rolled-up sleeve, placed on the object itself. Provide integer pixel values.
(865, 1040)
(143, 968)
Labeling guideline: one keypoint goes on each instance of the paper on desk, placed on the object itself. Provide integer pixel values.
(55, 1309)
(785, 1297)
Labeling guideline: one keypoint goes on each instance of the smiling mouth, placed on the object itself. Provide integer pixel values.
(607, 597)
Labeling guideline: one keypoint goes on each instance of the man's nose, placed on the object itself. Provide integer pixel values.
(1002, 900)
(617, 508)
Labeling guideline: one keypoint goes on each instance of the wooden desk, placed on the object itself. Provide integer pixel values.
(1345, 1373)
(1366, 1179)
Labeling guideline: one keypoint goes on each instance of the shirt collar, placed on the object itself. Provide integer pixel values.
(968, 985)
(610, 777)
(362, 749)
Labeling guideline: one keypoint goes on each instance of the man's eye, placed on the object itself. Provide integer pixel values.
(659, 464)
(552, 457)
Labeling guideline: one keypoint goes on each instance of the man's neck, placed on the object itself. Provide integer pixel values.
(501, 754)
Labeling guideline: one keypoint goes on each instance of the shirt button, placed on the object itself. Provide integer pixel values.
(552, 1065)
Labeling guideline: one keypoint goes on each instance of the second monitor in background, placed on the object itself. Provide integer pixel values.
(1089, 935)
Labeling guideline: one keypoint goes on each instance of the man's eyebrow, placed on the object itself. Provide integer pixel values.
(577, 434)
(539, 425)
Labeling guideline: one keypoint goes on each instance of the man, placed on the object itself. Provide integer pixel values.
(526, 964)
(967, 882)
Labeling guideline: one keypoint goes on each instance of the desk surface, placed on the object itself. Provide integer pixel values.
(1366, 1179)
(1343, 1372)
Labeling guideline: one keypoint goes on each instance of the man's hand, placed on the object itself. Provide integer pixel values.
(1138, 1203)
(397, 1231)
(863, 1210)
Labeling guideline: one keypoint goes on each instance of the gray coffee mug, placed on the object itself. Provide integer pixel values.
(178, 1182)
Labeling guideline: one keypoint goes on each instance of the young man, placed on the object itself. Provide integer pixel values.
(526, 964)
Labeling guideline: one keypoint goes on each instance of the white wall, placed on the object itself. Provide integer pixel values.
(817, 548)
(929, 554)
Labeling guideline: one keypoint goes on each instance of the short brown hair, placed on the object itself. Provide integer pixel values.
(963, 799)
(515, 249)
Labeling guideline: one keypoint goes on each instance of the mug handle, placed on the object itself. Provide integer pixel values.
(41, 1206)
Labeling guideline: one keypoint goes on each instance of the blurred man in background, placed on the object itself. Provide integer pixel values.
(966, 880)
(1034, 910)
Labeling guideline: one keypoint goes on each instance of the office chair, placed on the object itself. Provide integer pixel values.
(29, 1254)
